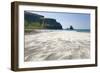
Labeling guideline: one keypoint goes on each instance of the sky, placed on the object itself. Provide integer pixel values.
(77, 20)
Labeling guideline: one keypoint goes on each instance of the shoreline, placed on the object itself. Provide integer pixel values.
(35, 31)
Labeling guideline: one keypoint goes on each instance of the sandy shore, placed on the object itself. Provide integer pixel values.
(57, 45)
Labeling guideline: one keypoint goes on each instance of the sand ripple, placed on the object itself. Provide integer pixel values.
(57, 45)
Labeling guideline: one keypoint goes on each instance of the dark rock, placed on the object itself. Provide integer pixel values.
(52, 24)
(71, 28)
(31, 17)
(46, 23)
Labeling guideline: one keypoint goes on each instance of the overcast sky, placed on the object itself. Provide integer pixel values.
(77, 20)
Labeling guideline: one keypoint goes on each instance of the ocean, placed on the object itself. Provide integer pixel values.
(77, 30)
(82, 30)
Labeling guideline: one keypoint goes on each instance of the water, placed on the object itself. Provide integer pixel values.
(82, 30)
(77, 30)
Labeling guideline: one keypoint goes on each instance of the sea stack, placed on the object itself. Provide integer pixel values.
(71, 28)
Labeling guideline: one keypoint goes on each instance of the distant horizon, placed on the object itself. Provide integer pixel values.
(77, 20)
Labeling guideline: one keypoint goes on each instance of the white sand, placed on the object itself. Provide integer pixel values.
(57, 45)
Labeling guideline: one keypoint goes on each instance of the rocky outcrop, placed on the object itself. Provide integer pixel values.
(32, 19)
(52, 24)
(70, 28)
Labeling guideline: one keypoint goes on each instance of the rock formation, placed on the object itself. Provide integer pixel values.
(71, 28)
(36, 20)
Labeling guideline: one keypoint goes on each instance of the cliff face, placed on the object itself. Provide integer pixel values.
(52, 24)
(32, 18)
(38, 21)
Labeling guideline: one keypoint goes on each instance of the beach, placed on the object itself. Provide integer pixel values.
(56, 45)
